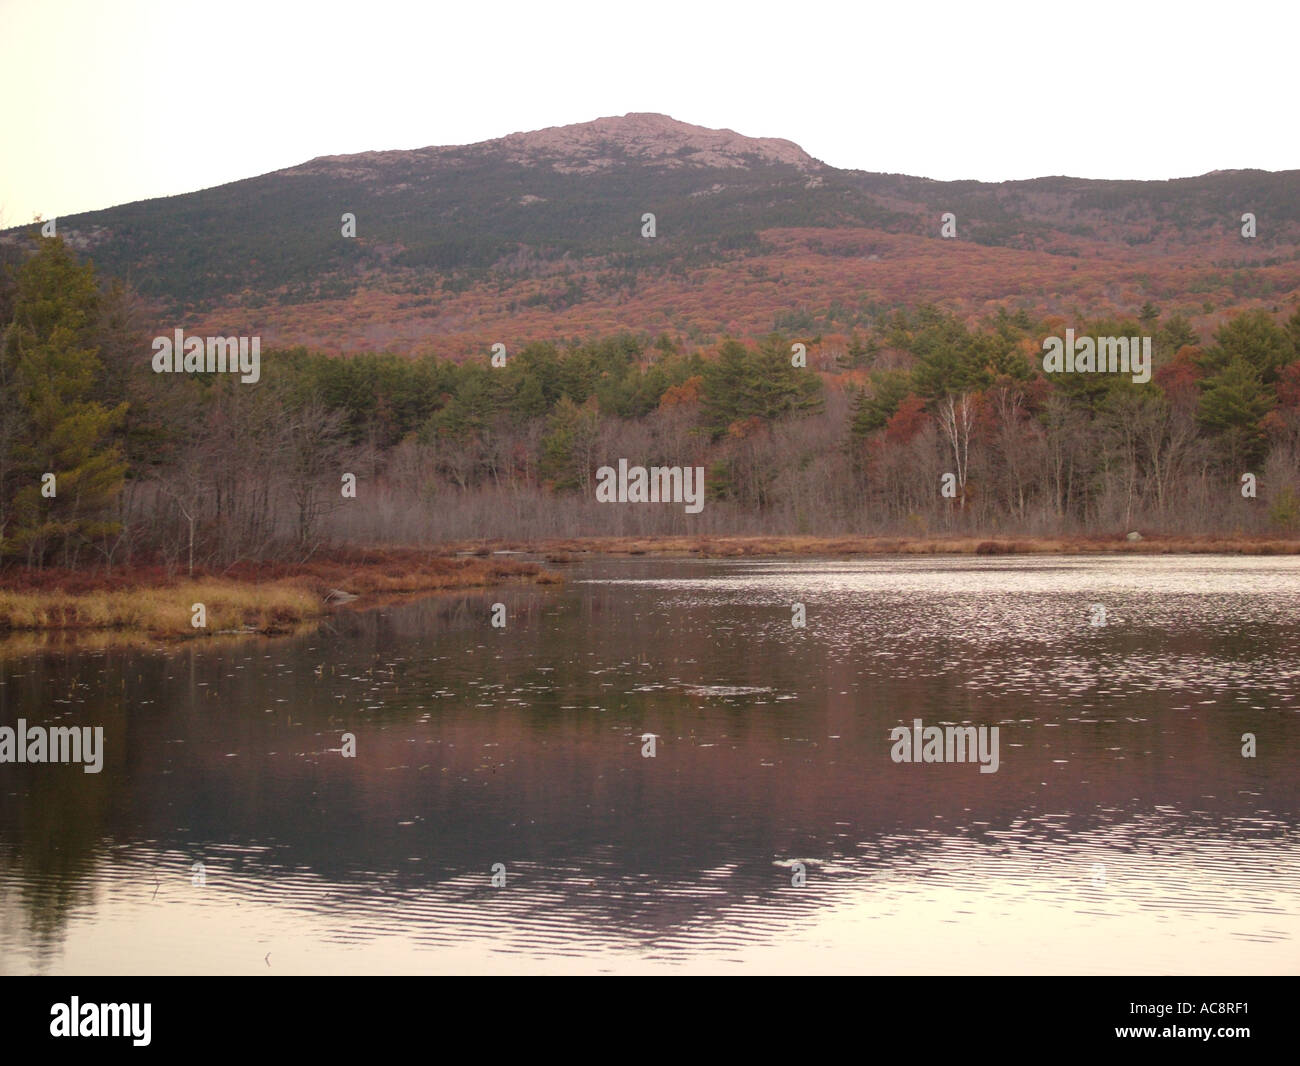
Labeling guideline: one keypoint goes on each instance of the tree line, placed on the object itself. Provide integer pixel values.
(922, 423)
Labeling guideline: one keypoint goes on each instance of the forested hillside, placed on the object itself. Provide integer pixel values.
(202, 470)
(540, 236)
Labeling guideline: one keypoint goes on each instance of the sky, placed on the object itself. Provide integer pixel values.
(111, 102)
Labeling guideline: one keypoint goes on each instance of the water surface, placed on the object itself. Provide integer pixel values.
(1123, 832)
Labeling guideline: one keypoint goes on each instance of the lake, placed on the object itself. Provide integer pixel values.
(771, 830)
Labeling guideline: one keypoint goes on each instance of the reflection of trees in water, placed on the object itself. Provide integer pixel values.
(56, 819)
(523, 746)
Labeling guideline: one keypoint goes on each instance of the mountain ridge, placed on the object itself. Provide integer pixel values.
(542, 231)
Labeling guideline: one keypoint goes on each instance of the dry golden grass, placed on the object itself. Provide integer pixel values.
(267, 608)
(263, 599)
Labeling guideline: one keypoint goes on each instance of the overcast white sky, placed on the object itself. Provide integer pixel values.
(109, 101)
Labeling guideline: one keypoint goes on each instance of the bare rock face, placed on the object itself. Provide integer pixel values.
(644, 138)
(656, 140)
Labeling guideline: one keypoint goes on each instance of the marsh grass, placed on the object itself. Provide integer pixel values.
(268, 599)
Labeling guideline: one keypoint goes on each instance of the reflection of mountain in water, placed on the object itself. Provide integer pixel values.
(522, 745)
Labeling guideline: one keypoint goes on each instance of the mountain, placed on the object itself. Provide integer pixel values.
(539, 234)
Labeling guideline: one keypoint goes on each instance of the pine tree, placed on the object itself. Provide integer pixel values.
(1233, 407)
(51, 369)
(1254, 337)
(762, 386)
(1293, 331)
(877, 404)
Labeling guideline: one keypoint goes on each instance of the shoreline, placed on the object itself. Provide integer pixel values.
(242, 600)
(725, 546)
(148, 604)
